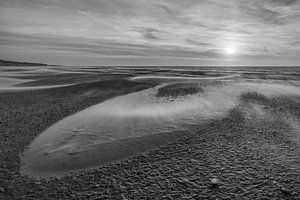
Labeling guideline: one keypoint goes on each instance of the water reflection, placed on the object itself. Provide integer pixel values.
(125, 125)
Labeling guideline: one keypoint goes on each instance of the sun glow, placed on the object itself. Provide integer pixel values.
(230, 50)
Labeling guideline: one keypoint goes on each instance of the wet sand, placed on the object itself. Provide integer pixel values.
(253, 150)
(115, 129)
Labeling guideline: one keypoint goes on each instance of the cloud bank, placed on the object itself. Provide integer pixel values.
(144, 32)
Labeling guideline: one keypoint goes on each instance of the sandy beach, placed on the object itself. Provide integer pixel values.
(253, 150)
(150, 100)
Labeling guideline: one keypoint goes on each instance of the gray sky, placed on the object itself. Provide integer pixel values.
(151, 32)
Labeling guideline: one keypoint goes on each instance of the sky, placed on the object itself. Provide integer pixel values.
(151, 32)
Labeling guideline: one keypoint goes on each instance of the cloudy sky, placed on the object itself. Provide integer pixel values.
(151, 32)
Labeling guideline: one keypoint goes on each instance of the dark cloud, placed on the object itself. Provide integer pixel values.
(286, 2)
(169, 10)
(102, 47)
(197, 42)
(266, 49)
(296, 43)
(149, 33)
(266, 14)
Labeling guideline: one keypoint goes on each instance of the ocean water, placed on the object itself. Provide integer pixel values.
(12, 76)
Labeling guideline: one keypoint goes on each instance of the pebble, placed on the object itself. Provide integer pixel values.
(285, 191)
(214, 182)
(38, 182)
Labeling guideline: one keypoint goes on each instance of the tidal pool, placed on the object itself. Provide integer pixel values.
(129, 124)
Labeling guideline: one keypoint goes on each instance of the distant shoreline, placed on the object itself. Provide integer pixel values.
(16, 63)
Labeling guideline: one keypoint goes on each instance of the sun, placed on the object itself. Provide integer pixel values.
(230, 50)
